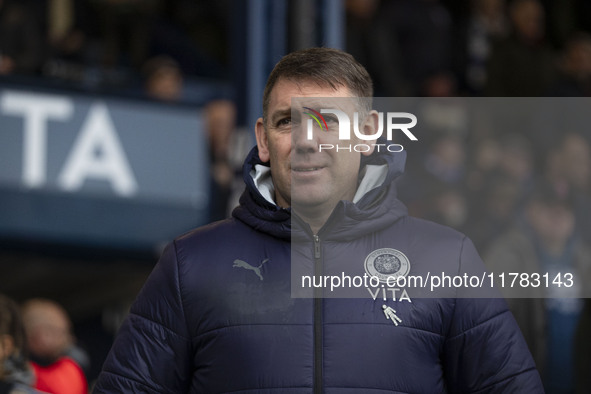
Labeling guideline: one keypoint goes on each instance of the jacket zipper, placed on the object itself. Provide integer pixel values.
(318, 356)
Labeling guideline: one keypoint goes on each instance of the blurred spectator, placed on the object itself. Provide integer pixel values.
(575, 71)
(195, 34)
(60, 18)
(16, 375)
(575, 162)
(501, 173)
(486, 24)
(369, 39)
(517, 161)
(493, 208)
(22, 48)
(70, 40)
(445, 170)
(569, 171)
(422, 33)
(441, 118)
(163, 79)
(436, 184)
(51, 345)
(448, 206)
(522, 64)
(78, 46)
(544, 240)
(125, 28)
(446, 160)
(484, 162)
(228, 147)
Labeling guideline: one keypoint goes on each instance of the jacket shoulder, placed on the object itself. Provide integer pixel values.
(439, 248)
(211, 230)
(218, 239)
(431, 231)
(161, 321)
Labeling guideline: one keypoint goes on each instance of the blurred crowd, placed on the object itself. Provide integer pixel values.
(524, 199)
(122, 46)
(411, 47)
(519, 186)
(513, 174)
(38, 352)
(498, 48)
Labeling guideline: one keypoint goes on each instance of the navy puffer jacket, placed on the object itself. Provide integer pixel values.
(217, 314)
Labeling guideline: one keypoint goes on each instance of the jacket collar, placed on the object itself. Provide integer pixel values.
(374, 206)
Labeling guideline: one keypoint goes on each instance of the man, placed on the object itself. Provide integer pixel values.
(51, 345)
(217, 314)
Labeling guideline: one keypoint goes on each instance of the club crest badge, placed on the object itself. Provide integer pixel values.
(387, 263)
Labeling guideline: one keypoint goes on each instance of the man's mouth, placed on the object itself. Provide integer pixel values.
(307, 169)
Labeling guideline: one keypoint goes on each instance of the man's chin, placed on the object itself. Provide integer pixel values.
(307, 201)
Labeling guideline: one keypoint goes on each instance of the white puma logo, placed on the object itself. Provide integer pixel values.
(245, 265)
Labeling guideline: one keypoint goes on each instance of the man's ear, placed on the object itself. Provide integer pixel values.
(370, 127)
(262, 140)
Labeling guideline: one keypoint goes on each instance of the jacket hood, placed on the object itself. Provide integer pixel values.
(254, 209)
(374, 207)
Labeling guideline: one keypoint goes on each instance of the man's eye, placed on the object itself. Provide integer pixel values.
(283, 122)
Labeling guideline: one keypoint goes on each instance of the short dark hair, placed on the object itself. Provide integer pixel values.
(325, 66)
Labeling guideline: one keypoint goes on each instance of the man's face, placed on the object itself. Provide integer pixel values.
(48, 331)
(304, 176)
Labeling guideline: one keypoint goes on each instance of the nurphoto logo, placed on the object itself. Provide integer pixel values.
(344, 127)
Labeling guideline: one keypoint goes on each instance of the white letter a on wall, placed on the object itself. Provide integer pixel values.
(97, 153)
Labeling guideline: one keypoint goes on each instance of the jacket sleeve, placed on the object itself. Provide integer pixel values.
(484, 351)
(152, 351)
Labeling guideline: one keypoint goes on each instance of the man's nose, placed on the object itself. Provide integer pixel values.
(305, 136)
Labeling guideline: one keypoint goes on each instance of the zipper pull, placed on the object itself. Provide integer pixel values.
(316, 247)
